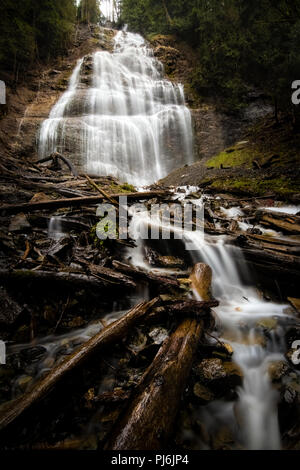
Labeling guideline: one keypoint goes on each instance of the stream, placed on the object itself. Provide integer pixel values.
(120, 117)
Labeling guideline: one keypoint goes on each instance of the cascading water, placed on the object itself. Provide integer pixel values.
(240, 311)
(125, 119)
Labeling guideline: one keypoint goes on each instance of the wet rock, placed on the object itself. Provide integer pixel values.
(168, 55)
(139, 342)
(33, 355)
(203, 393)
(223, 439)
(19, 223)
(277, 370)
(293, 356)
(158, 335)
(201, 279)
(216, 373)
(10, 310)
(169, 262)
(223, 351)
(254, 231)
(292, 334)
(268, 324)
(156, 259)
(290, 394)
(61, 248)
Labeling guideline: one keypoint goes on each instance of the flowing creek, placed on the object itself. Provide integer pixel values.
(131, 122)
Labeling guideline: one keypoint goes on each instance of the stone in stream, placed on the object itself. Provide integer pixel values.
(158, 335)
(204, 394)
(60, 249)
(217, 374)
(160, 261)
(277, 370)
(201, 280)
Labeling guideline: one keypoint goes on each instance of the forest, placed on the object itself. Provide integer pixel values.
(150, 227)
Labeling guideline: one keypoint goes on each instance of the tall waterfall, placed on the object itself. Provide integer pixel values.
(120, 117)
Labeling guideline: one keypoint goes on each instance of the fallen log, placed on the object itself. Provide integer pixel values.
(278, 220)
(111, 334)
(148, 421)
(145, 275)
(192, 307)
(101, 277)
(53, 204)
(101, 191)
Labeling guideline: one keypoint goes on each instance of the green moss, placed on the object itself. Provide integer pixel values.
(233, 157)
(96, 241)
(280, 186)
(263, 143)
(122, 188)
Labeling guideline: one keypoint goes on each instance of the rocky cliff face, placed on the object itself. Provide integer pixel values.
(213, 130)
(30, 103)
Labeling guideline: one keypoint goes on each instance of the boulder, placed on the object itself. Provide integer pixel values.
(201, 280)
(204, 394)
(216, 374)
(277, 370)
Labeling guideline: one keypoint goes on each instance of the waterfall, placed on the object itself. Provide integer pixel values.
(240, 311)
(120, 117)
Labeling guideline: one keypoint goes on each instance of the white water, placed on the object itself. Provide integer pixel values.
(239, 313)
(133, 124)
(55, 230)
(125, 119)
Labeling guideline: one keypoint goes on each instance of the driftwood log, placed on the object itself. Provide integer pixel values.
(148, 421)
(101, 277)
(107, 336)
(137, 273)
(286, 223)
(53, 204)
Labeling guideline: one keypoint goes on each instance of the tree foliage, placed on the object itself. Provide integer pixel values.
(89, 11)
(240, 43)
(31, 30)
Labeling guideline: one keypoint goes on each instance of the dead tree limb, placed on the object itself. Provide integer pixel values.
(53, 204)
(284, 222)
(54, 157)
(100, 278)
(145, 275)
(148, 421)
(111, 334)
(101, 191)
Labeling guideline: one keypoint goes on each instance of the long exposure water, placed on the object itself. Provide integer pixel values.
(126, 120)
(123, 118)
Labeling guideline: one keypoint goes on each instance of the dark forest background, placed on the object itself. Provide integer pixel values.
(240, 44)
